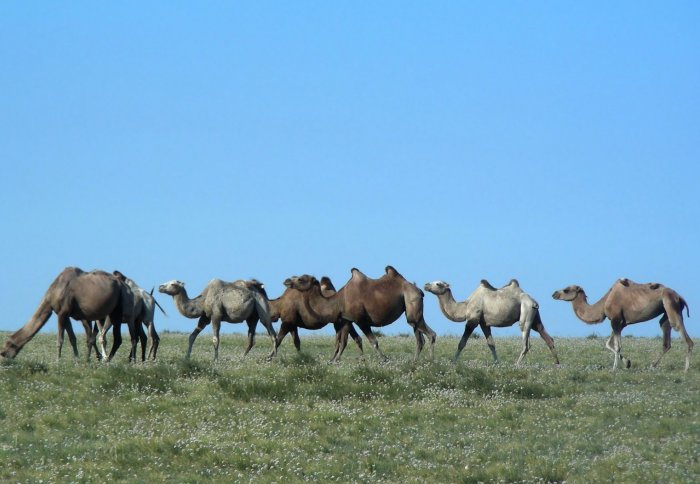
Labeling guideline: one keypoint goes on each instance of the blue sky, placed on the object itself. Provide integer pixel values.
(552, 142)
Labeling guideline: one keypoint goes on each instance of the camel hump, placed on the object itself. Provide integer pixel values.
(391, 271)
(326, 283)
(357, 272)
(119, 276)
(487, 285)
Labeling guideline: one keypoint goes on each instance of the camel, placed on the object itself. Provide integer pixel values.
(144, 315)
(489, 307)
(293, 308)
(231, 302)
(85, 296)
(372, 303)
(628, 302)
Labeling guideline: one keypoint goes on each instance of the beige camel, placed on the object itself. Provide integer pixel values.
(295, 311)
(489, 307)
(372, 303)
(85, 296)
(627, 302)
(231, 302)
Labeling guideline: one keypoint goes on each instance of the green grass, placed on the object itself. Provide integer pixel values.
(298, 418)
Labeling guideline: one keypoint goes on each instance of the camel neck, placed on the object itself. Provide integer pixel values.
(450, 308)
(588, 313)
(190, 308)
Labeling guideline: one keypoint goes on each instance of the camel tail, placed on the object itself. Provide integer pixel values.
(159, 306)
(684, 303)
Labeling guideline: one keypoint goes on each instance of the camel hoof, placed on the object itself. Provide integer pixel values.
(628, 363)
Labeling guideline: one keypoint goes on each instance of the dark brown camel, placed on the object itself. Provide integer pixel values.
(295, 311)
(85, 296)
(374, 302)
(628, 303)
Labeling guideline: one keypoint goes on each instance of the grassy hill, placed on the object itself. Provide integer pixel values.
(299, 418)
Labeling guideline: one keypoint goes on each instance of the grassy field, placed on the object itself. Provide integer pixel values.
(298, 418)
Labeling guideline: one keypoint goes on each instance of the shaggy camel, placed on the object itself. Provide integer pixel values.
(144, 315)
(489, 307)
(372, 302)
(294, 309)
(85, 296)
(627, 302)
(231, 302)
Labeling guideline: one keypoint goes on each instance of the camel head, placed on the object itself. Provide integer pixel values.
(171, 288)
(568, 293)
(301, 283)
(437, 287)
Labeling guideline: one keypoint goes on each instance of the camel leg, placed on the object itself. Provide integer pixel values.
(422, 328)
(366, 328)
(95, 333)
(104, 328)
(674, 312)
(142, 338)
(468, 330)
(201, 324)
(295, 337)
(526, 345)
(252, 324)
(89, 337)
(341, 340)
(539, 327)
(71, 338)
(135, 332)
(414, 316)
(614, 344)
(62, 322)
(356, 338)
(489, 341)
(265, 320)
(282, 333)
(666, 331)
(155, 340)
(215, 328)
(117, 335)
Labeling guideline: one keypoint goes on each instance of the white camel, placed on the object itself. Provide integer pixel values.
(489, 307)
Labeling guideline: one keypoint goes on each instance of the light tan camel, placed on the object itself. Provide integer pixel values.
(489, 307)
(295, 311)
(85, 296)
(627, 302)
(373, 303)
(231, 302)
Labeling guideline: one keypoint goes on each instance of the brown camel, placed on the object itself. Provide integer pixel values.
(627, 302)
(85, 296)
(294, 309)
(489, 307)
(373, 302)
(231, 302)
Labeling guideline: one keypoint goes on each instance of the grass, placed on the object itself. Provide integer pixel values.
(298, 418)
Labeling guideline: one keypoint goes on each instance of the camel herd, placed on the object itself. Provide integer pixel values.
(101, 300)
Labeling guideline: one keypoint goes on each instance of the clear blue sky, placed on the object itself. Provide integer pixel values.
(553, 142)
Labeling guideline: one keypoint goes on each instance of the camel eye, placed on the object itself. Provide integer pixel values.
(567, 290)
